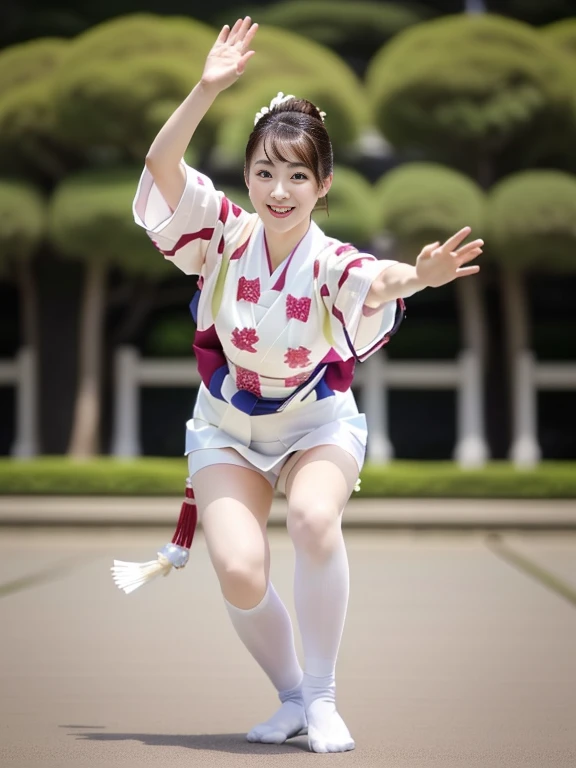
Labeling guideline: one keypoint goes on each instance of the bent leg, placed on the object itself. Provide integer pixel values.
(317, 490)
(234, 504)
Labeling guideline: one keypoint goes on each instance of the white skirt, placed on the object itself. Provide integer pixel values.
(268, 443)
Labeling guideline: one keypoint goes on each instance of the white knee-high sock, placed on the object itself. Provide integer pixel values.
(266, 631)
(321, 591)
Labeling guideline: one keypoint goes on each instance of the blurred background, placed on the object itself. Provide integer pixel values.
(443, 113)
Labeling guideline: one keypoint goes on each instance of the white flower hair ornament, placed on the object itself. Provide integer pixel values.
(276, 101)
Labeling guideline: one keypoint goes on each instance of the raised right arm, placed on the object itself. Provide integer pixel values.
(224, 65)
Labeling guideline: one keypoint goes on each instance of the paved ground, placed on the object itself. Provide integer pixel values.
(459, 652)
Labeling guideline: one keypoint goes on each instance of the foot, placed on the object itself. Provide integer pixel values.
(327, 732)
(288, 721)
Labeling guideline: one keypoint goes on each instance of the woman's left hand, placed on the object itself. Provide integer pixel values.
(438, 264)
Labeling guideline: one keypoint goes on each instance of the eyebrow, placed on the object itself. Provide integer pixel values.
(290, 165)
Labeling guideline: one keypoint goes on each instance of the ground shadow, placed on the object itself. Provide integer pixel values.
(234, 743)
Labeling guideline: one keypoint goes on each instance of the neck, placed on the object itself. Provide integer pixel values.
(281, 245)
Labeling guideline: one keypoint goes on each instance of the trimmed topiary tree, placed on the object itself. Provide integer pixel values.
(91, 220)
(421, 203)
(354, 30)
(483, 93)
(531, 227)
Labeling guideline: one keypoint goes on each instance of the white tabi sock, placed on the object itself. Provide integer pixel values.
(266, 631)
(321, 598)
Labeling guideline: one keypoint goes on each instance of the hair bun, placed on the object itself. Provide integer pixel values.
(290, 103)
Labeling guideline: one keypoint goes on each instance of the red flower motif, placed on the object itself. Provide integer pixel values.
(249, 290)
(298, 309)
(295, 381)
(245, 339)
(249, 381)
(297, 358)
(316, 269)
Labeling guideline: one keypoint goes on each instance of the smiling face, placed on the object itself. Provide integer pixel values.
(283, 190)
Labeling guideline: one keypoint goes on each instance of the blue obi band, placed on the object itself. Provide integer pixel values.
(251, 404)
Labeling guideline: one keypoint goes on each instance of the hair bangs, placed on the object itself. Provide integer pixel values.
(291, 145)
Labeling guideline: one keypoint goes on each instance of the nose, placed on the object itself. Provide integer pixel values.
(280, 192)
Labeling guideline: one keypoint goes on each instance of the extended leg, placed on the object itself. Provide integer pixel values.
(317, 489)
(234, 504)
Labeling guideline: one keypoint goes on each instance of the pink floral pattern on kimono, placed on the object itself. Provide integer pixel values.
(249, 381)
(249, 290)
(245, 338)
(295, 381)
(297, 358)
(297, 309)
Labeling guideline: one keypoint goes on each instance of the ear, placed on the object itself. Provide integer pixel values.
(246, 177)
(327, 183)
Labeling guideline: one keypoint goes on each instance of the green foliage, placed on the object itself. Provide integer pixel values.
(27, 135)
(353, 29)
(532, 221)
(562, 35)
(171, 336)
(23, 217)
(123, 79)
(420, 203)
(352, 213)
(289, 63)
(91, 218)
(165, 477)
(468, 88)
(27, 62)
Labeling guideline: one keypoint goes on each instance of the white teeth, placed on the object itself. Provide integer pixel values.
(280, 210)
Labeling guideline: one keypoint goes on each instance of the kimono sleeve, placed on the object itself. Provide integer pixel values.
(196, 232)
(356, 330)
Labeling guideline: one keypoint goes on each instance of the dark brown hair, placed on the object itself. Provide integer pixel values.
(295, 124)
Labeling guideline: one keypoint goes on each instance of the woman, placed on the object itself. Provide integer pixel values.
(282, 316)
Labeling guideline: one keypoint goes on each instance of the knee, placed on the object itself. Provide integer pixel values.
(242, 578)
(315, 528)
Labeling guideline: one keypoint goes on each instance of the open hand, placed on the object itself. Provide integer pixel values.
(229, 54)
(440, 264)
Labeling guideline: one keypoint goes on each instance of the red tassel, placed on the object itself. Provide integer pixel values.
(187, 521)
(130, 576)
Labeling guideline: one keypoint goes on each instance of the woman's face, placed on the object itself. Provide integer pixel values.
(283, 193)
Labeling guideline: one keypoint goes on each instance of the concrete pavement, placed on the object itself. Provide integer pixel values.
(454, 656)
(360, 513)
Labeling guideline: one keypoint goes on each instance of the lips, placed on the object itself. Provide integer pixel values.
(281, 212)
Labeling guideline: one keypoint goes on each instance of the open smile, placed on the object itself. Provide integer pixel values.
(280, 211)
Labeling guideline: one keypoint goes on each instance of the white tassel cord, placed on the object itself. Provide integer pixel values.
(130, 576)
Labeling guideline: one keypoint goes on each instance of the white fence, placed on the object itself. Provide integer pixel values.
(529, 376)
(21, 373)
(374, 378)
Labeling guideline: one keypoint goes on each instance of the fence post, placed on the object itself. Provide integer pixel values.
(375, 406)
(471, 448)
(126, 436)
(25, 444)
(525, 450)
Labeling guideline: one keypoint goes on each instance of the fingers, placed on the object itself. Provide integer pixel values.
(239, 30)
(468, 256)
(242, 63)
(453, 242)
(466, 271)
(234, 32)
(223, 36)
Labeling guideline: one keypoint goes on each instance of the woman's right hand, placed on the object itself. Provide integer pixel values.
(229, 55)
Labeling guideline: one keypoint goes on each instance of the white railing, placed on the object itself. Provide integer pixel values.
(530, 376)
(373, 378)
(21, 373)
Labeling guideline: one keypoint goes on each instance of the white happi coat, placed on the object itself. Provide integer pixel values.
(283, 344)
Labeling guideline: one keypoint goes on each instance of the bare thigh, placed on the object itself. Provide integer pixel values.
(234, 505)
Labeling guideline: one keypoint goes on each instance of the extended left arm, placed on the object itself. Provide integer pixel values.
(436, 265)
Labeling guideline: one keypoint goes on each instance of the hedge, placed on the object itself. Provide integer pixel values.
(60, 476)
